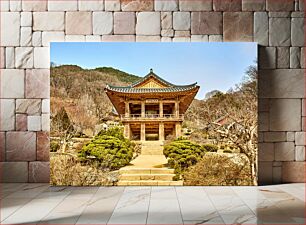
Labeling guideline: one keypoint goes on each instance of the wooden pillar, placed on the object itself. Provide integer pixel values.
(127, 109)
(143, 109)
(161, 131)
(178, 129)
(161, 108)
(127, 130)
(176, 109)
(143, 132)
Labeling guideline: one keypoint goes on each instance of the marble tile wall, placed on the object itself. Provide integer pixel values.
(28, 26)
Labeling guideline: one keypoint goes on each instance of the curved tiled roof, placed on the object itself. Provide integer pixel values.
(151, 74)
(129, 89)
(169, 87)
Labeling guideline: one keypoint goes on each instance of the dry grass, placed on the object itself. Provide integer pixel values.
(66, 170)
(219, 169)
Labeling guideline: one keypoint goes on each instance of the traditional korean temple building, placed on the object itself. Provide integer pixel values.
(152, 108)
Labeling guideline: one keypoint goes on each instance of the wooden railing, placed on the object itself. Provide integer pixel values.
(152, 116)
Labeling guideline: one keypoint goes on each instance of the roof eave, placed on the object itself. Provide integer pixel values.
(155, 90)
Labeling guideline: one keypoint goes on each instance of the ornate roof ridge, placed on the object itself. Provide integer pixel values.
(170, 85)
(152, 90)
(152, 74)
(109, 86)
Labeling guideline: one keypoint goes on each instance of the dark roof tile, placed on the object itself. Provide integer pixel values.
(170, 87)
(150, 90)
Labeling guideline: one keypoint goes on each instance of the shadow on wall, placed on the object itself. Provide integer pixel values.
(279, 122)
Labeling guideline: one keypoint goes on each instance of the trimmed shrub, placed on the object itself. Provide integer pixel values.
(210, 147)
(182, 154)
(109, 148)
(114, 132)
(227, 151)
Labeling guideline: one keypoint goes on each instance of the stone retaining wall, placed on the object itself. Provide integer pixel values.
(28, 26)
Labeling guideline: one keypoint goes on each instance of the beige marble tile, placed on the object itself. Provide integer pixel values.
(296, 190)
(100, 208)
(9, 188)
(195, 204)
(69, 210)
(9, 206)
(28, 191)
(25, 214)
(164, 206)
(132, 207)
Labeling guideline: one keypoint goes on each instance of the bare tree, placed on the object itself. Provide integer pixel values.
(63, 128)
(242, 131)
(238, 108)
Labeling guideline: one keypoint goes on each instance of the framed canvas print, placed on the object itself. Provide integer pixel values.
(153, 114)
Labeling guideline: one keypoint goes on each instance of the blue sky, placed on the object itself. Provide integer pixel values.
(215, 66)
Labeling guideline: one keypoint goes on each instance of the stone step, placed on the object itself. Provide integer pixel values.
(141, 177)
(152, 142)
(152, 148)
(134, 170)
(159, 144)
(151, 152)
(150, 183)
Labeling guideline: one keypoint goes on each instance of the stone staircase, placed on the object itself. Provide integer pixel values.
(147, 177)
(152, 148)
(148, 168)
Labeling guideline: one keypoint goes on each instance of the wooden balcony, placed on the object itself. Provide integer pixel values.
(152, 117)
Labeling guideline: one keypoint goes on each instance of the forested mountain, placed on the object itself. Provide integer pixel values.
(81, 93)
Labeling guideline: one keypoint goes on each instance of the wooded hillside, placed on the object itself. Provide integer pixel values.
(81, 93)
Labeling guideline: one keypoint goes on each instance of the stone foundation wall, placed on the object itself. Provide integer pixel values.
(27, 28)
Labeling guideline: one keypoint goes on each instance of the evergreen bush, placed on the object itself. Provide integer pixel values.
(227, 151)
(109, 148)
(114, 132)
(210, 147)
(182, 154)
